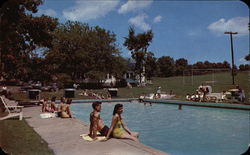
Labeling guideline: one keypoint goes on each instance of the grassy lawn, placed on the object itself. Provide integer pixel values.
(18, 138)
(179, 85)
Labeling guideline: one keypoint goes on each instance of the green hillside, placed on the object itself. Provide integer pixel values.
(182, 85)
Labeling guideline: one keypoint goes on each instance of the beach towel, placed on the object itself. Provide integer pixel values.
(87, 138)
(47, 115)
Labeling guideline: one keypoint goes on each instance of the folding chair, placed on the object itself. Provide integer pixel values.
(13, 111)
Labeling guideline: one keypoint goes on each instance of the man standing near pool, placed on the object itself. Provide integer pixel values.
(96, 123)
(158, 92)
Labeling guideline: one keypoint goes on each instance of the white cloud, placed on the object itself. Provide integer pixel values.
(134, 5)
(243, 61)
(238, 24)
(157, 19)
(49, 12)
(85, 10)
(193, 33)
(139, 21)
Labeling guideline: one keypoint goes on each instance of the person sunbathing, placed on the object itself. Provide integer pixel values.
(96, 123)
(188, 97)
(117, 123)
(46, 106)
(65, 109)
(53, 103)
(42, 101)
(59, 107)
(109, 96)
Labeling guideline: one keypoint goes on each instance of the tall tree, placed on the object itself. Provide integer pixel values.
(247, 57)
(166, 66)
(138, 45)
(21, 34)
(208, 65)
(244, 67)
(180, 65)
(82, 51)
(150, 65)
(226, 64)
(198, 65)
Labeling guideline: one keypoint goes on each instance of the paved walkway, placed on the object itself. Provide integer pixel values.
(63, 137)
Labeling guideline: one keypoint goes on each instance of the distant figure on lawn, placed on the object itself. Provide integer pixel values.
(158, 92)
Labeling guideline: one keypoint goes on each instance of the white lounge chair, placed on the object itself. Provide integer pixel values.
(215, 97)
(13, 111)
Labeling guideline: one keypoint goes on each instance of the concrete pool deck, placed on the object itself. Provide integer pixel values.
(63, 137)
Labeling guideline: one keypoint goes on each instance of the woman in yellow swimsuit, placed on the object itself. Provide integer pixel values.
(117, 122)
(65, 109)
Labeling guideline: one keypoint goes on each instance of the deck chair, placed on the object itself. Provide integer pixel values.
(13, 111)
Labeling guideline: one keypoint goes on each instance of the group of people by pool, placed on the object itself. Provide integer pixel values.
(90, 93)
(204, 94)
(96, 123)
(200, 95)
(62, 110)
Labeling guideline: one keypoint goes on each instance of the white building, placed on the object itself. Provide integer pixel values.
(134, 78)
(110, 81)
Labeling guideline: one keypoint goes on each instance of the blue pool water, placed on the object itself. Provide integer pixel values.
(190, 131)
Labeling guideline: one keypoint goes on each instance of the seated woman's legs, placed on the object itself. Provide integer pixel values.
(135, 134)
(125, 135)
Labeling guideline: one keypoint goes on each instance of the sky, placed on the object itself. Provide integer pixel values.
(193, 30)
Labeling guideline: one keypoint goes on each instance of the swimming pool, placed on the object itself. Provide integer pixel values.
(190, 131)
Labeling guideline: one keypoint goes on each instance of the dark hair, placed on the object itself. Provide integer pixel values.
(96, 103)
(69, 101)
(117, 106)
(63, 99)
(53, 99)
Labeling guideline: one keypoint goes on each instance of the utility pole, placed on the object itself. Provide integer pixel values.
(232, 52)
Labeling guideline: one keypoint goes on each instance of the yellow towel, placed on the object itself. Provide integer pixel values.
(87, 138)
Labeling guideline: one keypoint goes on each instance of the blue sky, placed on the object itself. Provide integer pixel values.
(193, 30)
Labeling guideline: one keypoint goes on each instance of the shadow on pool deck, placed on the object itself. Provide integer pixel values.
(63, 137)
